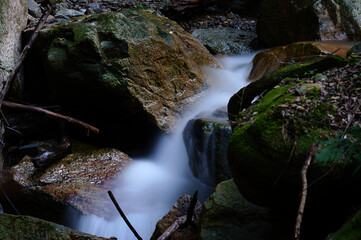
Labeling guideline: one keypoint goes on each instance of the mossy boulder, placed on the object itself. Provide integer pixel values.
(130, 73)
(272, 59)
(206, 141)
(351, 230)
(79, 181)
(25, 228)
(227, 214)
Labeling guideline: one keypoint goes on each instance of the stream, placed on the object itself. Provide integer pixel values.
(147, 189)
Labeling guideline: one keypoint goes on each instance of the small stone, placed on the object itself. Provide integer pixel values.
(300, 108)
(34, 9)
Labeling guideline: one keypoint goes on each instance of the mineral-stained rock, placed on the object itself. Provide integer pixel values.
(79, 180)
(129, 73)
(25, 228)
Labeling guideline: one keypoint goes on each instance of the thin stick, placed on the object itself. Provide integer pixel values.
(23, 54)
(190, 210)
(177, 223)
(50, 113)
(304, 191)
(123, 215)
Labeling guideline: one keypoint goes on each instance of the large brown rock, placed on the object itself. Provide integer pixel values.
(272, 59)
(130, 73)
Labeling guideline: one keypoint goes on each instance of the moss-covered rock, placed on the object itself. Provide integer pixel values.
(350, 231)
(25, 228)
(79, 180)
(206, 141)
(130, 72)
(227, 214)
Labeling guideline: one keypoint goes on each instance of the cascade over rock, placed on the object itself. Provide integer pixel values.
(206, 140)
(25, 227)
(79, 180)
(130, 73)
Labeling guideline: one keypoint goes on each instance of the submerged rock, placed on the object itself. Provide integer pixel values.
(78, 180)
(179, 209)
(206, 142)
(129, 73)
(25, 228)
(227, 215)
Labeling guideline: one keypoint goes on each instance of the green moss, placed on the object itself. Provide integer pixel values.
(350, 231)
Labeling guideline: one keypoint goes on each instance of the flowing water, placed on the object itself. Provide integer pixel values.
(148, 188)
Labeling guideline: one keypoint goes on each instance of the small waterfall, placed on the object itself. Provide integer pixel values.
(147, 189)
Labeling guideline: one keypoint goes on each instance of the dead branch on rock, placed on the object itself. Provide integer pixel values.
(23, 54)
(182, 221)
(123, 215)
(304, 191)
(50, 113)
(48, 157)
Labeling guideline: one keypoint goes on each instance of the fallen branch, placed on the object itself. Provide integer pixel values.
(304, 191)
(48, 157)
(50, 113)
(123, 215)
(23, 54)
(182, 221)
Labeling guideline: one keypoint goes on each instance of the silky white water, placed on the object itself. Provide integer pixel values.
(147, 189)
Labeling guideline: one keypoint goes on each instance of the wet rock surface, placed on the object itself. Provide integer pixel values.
(79, 180)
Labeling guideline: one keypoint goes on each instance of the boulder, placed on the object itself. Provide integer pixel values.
(233, 41)
(271, 138)
(179, 209)
(130, 73)
(282, 22)
(206, 141)
(79, 180)
(25, 227)
(13, 20)
(272, 59)
(227, 214)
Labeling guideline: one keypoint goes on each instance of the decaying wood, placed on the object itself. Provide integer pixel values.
(50, 113)
(123, 215)
(182, 221)
(48, 157)
(304, 191)
(23, 54)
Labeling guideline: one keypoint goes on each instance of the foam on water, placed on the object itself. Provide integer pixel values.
(148, 188)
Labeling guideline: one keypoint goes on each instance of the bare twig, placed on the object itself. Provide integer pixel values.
(304, 191)
(190, 210)
(123, 215)
(23, 54)
(50, 113)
